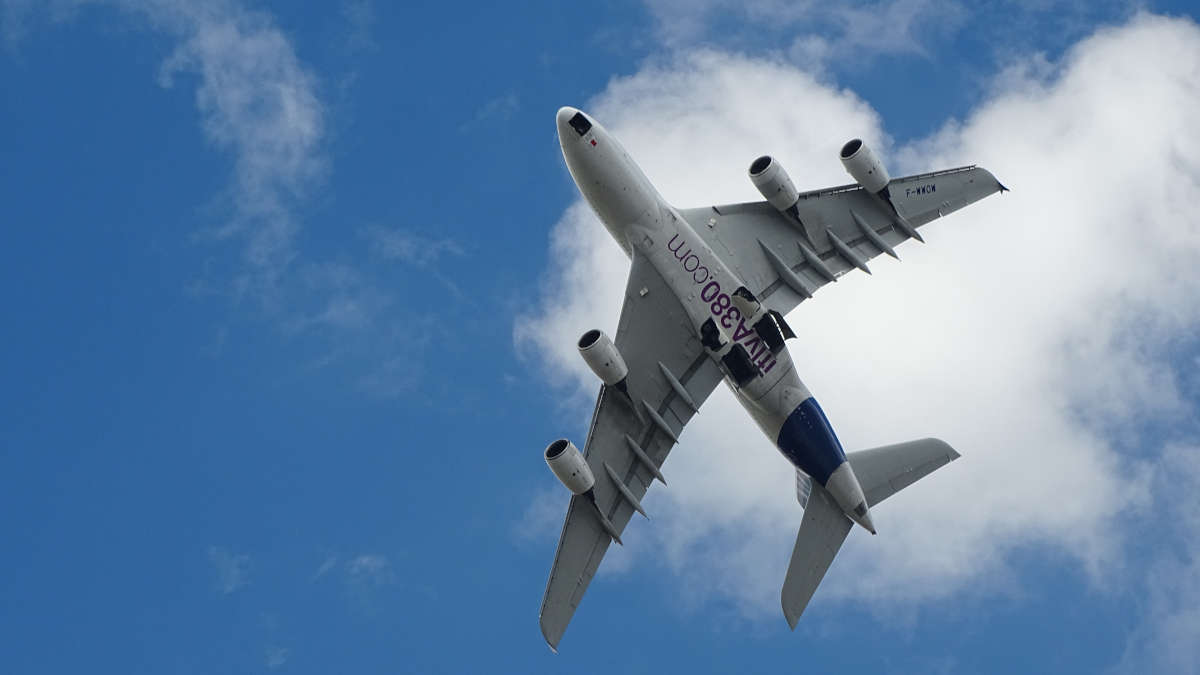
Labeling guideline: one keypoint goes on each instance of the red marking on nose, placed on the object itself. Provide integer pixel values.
(593, 141)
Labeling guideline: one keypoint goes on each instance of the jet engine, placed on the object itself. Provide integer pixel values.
(569, 466)
(601, 355)
(864, 166)
(773, 182)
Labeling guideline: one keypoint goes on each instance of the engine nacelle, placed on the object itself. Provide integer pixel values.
(602, 357)
(773, 182)
(569, 466)
(864, 166)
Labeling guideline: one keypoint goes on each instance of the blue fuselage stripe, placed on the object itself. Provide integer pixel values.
(808, 441)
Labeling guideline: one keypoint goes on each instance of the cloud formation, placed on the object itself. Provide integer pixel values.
(232, 569)
(851, 35)
(1039, 331)
(256, 101)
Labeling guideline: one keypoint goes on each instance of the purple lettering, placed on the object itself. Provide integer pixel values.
(734, 314)
(741, 331)
(756, 348)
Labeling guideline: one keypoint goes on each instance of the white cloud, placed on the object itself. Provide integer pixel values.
(257, 101)
(369, 569)
(1031, 329)
(409, 247)
(232, 569)
(275, 656)
(855, 31)
(1164, 639)
(851, 35)
(328, 564)
(497, 110)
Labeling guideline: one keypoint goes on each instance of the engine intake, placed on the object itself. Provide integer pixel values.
(601, 355)
(773, 183)
(569, 466)
(864, 166)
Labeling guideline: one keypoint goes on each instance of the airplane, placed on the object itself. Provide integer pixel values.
(705, 302)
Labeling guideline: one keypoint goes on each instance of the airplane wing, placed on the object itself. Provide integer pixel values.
(783, 260)
(670, 376)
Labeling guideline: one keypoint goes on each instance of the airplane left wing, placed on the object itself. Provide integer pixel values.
(670, 376)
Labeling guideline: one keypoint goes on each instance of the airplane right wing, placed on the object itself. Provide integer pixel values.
(670, 376)
(784, 260)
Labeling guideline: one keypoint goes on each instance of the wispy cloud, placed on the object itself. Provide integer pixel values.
(371, 569)
(499, 109)
(232, 569)
(852, 34)
(861, 30)
(326, 566)
(256, 101)
(1164, 640)
(406, 246)
(275, 656)
(360, 21)
(261, 106)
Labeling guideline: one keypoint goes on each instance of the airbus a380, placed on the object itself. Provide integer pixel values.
(705, 302)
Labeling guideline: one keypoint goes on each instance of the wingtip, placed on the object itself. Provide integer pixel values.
(552, 644)
(792, 620)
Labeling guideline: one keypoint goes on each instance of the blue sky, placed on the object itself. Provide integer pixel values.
(290, 294)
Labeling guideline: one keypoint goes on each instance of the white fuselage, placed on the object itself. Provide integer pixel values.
(639, 219)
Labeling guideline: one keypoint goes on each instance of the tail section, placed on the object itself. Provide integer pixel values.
(882, 472)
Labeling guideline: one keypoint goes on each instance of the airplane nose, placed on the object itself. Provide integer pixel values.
(563, 118)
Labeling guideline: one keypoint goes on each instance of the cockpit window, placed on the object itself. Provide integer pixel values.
(580, 124)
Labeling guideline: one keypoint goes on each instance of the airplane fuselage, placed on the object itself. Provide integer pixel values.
(640, 220)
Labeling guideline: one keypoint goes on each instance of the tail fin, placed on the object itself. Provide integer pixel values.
(881, 472)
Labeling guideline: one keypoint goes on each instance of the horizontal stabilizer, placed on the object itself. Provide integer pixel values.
(822, 532)
(882, 472)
